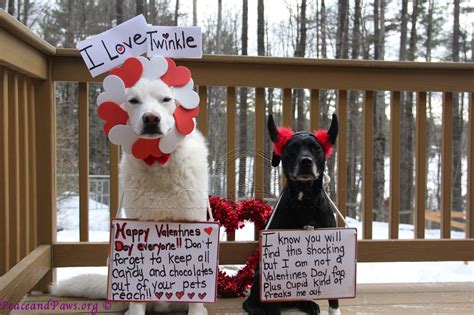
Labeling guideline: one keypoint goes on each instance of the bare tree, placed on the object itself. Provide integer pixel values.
(11, 7)
(457, 203)
(260, 29)
(152, 12)
(26, 12)
(379, 116)
(140, 7)
(403, 30)
(194, 12)
(176, 13)
(300, 51)
(408, 121)
(354, 121)
(119, 11)
(219, 27)
(342, 36)
(243, 109)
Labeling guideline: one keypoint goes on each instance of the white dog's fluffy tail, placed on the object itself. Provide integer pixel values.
(91, 286)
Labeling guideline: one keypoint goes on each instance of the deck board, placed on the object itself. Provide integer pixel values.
(426, 298)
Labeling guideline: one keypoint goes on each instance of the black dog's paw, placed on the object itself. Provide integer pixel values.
(309, 307)
(258, 308)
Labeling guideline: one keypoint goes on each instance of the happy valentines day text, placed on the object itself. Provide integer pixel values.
(307, 265)
(152, 261)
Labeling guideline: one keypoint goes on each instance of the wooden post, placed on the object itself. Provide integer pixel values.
(259, 154)
(4, 175)
(394, 165)
(421, 163)
(32, 166)
(24, 159)
(202, 118)
(367, 167)
(231, 152)
(14, 165)
(342, 155)
(46, 159)
(446, 164)
(84, 162)
(470, 170)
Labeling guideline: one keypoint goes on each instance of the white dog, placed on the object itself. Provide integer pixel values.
(173, 191)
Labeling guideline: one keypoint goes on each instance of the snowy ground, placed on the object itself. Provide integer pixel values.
(68, 226)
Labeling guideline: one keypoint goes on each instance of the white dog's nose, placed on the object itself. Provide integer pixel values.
(151, 119)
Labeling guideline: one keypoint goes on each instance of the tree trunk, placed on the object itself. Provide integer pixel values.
(3, 4)
(353, 123)
(11, 7)
(300, 51)
(219, 27)
(342, 38)
(18, 9)
(379, 117)
(152, 13)
(243, 110)
(140, 7)
(457, 204)
(119, 11)
(403, 30)
(260, 29)
(26, 12)
(176, 13)
(407, 127)
(194, 12)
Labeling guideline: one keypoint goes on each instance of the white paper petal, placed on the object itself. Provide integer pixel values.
(114, 90)
(186, 96)
(154, 68)
(169, 141)
(123, 135)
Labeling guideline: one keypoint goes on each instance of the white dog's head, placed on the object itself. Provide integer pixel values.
(150, 106)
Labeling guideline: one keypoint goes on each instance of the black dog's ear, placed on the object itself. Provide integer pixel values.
(333, 129)
(272, 129)
(275, 159)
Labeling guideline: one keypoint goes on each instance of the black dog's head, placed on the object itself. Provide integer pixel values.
(303, 154)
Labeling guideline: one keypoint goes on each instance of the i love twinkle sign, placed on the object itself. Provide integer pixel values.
(135, 37)
(163, 262)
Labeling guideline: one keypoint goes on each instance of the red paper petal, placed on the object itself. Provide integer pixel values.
(113, 115)
(184, 119)
(142, 148)
(130, 72)
(176, 76)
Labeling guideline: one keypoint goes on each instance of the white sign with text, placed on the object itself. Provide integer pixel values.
(308, 264)
(173, 41)
(111, 48)
(163, 262)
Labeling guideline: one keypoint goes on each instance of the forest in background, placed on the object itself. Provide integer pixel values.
(424, 30)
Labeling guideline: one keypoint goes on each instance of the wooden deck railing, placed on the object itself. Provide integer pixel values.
(29, 68)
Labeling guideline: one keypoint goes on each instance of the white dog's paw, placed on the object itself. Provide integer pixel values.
(136, 309)
(197, 309)
(334, 311)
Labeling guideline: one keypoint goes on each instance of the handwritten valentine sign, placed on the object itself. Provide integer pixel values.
(172, 41)
(308, 265)
(167, 262)
(111, 48)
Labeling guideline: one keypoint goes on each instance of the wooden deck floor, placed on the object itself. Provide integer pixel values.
(447, 298)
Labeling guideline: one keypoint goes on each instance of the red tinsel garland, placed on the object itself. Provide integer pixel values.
(231, 216)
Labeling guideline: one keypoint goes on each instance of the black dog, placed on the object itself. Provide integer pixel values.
(303, 203)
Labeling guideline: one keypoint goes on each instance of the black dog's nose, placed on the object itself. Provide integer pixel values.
(306, 161)
(151, 119)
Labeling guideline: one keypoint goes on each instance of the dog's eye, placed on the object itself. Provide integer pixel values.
(134, 101)
(166, 99)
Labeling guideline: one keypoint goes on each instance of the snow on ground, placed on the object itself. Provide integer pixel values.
(397, 272)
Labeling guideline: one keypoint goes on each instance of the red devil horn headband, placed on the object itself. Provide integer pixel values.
(285, 134)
